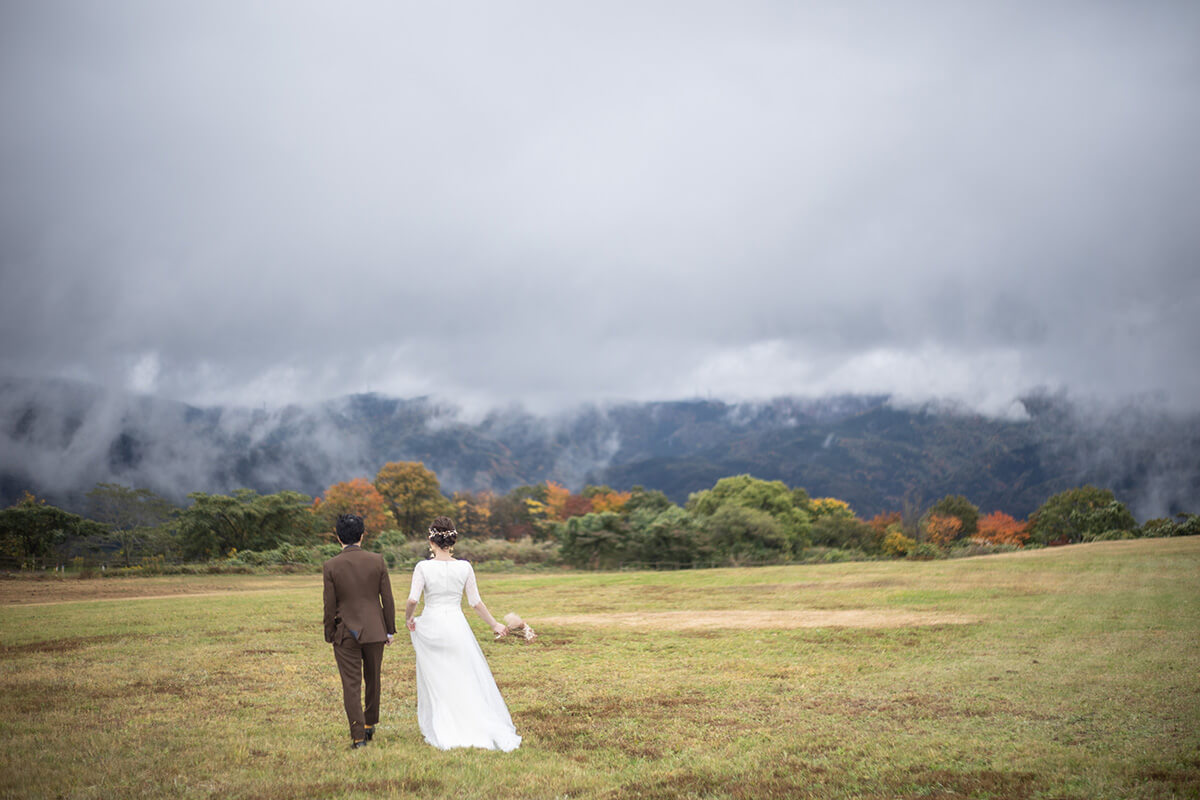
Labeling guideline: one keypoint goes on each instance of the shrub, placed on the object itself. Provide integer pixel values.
(980, 547)
(1109, 536)
(925, 551)
(897, 544)
(496, 565)
(1159, 527)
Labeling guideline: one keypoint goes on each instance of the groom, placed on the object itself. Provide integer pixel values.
(360, 618)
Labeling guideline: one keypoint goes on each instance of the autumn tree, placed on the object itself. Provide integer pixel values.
(577, 506)
(955, 505)
(942, 529)
(1000, 528)
(355, 496)
(413, 495)
(608, 500)
(883, 520)
(556, 500)
(473, 512)
(520, 513)
(820, 507)
(562, 504)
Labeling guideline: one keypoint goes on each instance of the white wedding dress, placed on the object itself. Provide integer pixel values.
(458, 704)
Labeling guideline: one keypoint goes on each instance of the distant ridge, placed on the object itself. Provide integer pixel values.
(59, 438)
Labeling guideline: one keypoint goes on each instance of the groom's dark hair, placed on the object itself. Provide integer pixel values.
(349, 528)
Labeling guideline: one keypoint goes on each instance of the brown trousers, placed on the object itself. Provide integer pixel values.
(357, 661)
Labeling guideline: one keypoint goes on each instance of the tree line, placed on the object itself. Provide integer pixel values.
(739, 520)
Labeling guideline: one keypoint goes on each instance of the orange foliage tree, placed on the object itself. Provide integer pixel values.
(1000, 528)
(556, 500)
(355, 496)
(609, 501)
(942, 529)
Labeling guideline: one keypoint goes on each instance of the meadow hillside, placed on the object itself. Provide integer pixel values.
(1056, 673)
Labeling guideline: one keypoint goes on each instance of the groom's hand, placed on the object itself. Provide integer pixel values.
(391, 636)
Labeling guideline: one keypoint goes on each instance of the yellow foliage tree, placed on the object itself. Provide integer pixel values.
(413, 495)
(472, 512)
(895, 543)
(830, 507)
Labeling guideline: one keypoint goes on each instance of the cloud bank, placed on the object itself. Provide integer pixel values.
(555, 204)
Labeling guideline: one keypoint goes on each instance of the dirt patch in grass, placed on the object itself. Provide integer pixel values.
(1183, 779)
(779, 620)
(421, 787)
(673, 786)
(923, 782)
(777, 779)
(575, 727)
(55, 645)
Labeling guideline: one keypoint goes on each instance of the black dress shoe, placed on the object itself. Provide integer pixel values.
(370, 733)
(358, 744)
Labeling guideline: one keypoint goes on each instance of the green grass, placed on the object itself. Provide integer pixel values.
(1078, 679)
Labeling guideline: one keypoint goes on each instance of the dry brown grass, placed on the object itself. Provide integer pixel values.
(49, 590)
(763, 620)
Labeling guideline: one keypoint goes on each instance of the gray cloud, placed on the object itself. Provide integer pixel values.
(549, 204)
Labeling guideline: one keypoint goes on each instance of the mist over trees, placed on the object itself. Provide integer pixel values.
(59, 439)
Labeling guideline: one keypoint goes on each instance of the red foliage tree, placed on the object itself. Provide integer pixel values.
(881, 521)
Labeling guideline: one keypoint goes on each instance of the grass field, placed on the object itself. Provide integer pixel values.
(1064, 673)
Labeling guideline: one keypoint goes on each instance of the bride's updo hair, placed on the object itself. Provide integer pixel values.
(442, 533)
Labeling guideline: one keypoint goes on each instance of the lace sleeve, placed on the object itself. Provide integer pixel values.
(418, 583)
(473, 598)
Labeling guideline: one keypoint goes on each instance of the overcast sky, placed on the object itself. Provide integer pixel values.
(558, 202)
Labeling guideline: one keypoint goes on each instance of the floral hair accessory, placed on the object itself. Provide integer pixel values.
(433, 533)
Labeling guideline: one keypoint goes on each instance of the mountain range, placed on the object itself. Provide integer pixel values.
(59, 438)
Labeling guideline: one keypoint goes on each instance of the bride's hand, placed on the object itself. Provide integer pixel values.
(501, 630)
(411, 624)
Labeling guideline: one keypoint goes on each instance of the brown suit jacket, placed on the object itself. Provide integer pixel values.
(358, 597)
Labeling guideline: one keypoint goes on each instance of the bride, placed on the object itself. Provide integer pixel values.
(458, 704)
